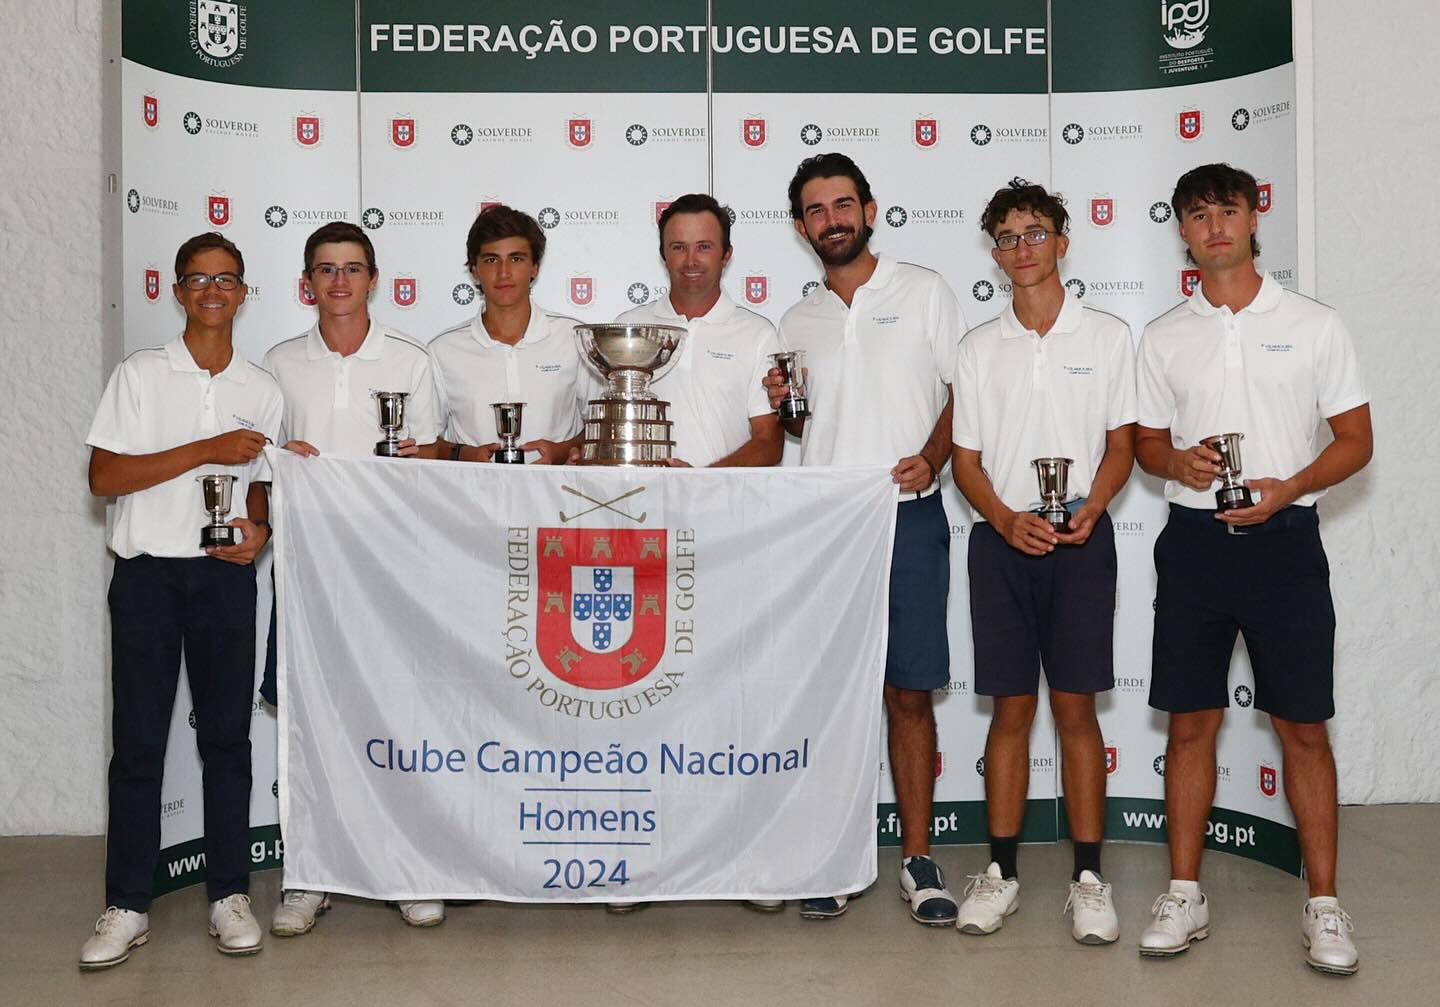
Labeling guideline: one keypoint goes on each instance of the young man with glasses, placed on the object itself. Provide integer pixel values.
(168, 415)
(1048, 378)
(327, 376)
(1244, 355)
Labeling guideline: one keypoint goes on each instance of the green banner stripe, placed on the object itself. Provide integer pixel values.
(962, 823)
(183, 864)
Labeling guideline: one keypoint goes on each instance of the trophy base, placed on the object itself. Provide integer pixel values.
(509, 456)
(626, 452)
(1057, 518)
(794, 409)
(1232, 498)
(216, 536)
(626, 432)
(387, 449)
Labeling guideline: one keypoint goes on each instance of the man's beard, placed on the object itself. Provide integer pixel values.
(845, 254)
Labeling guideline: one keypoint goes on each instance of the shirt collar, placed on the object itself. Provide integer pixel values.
(1266, 299)
(371, 348)
(719, 313)
(535, 330)
(1069, 319)
(178, 355)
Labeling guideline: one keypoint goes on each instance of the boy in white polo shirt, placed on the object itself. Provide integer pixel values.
(328, 376)
(1048, 378)
(168, 415)
(513, 350)
(721, 414)
(1244, 355)
(880, 339)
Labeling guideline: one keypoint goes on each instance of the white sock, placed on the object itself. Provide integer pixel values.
(1189, 889)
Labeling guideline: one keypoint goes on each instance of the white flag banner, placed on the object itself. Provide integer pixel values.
(579, 684)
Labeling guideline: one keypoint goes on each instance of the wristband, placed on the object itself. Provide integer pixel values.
(934, 472)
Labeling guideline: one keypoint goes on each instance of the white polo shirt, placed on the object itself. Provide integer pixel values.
(1020, 396)
(879, 367)
(1271, 372)
(715, 387)
(159, 398)
(328, 398)
(543, 370)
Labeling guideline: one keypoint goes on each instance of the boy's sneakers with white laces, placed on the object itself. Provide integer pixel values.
(116, 932)
(1092, 910)
(923, 886)
(422, 914)
(1325, 929)
(295, 915)
(1179, 919)
(989, 898)
(232, 921)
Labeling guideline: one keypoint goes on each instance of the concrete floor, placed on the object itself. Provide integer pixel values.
(705, 953)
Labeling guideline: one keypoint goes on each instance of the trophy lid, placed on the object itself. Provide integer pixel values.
(625, 346)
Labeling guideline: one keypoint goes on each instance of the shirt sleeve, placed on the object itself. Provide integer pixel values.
(1154, 399)
(948, 329)
(1338, 387)
(759, 399)
(116, 426)
(965, 420)
(423, 408)
(1121, 408)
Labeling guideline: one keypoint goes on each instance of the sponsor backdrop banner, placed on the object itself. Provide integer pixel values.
(592, 684)
(409, 118)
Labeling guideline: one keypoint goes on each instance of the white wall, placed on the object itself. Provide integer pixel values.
(1374, 138)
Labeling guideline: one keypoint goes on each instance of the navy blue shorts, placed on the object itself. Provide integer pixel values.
(1272, 585)
(1055, 611)
(918, 655)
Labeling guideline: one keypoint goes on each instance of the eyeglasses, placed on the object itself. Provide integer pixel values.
(1032, 238)
(327, 270)
(200, 281)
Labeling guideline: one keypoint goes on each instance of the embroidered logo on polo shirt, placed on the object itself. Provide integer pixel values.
(719, 354)
(1078, 370)
(247, 424)
(548, 368)
(1277, 347)
(884, 319)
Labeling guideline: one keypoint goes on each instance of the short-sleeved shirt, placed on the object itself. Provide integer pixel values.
(329, 398)
(542, 370)
(1272, 372)
(717, 384)
(158, 399)
(878, 368)
(1021, 396)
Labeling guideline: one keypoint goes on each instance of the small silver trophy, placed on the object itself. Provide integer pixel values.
(392, 421)
(1232, 494)
(629, 424)
(791, 364)
(507, 427)
(217, 488)
(1053, 475)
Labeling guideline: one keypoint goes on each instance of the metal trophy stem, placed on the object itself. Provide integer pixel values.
(217, 488)
(507, 428)
(628, 425)
(1053, 475)
(392, 421)
(791, 364)
(1232, 494)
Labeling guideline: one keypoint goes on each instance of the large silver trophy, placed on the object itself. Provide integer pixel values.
(1053, 475)
(1232, 494)
(628, 425)
(392, 421)
(217, 489)
(507, 428)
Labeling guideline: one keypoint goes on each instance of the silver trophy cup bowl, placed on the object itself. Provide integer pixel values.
(507, 428)
(1053, 475)
(392, 421)
(1232, 494)
(217, 489)
(791, 365)
(628, 425)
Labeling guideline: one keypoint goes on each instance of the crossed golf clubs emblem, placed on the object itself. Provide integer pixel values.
(603, 505)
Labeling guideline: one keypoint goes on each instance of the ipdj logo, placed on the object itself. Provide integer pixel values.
(983, 290)
(463, 294)
(373, 218)
(548, 217)
(981, 134)
(896, 216)
(1184, 22)
(276, 216)
(811, 134)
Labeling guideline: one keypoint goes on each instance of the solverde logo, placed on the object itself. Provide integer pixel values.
(217, 32)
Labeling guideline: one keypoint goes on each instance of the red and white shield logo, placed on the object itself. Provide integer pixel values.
(757, 289)
(580, 133)
(939, 764)
(1269, 780)
(1263, 202)
(402, 132)
(1189, 280)
(152, 284)
(307, 130)
(582, 290)
(486, 204)
(304, 294)
(152, 111)
(1102, 211)
(602, 604)
(661, 208)
(405, 291)
(752, 131)
(1189, 124)
(927, 132)
(218, 210)
(1112, 759)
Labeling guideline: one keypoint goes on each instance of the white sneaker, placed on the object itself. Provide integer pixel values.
(1325, 929)
(116, 932)
(1092, 910)
(1177, 922)
(989, 898)
(422, 914)
(295, 915)
(232, 921)
(766, 905)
